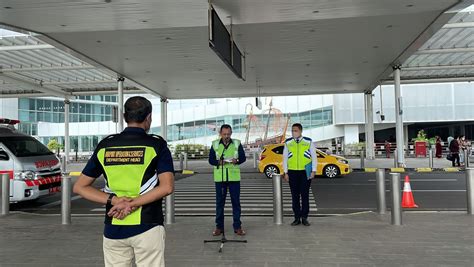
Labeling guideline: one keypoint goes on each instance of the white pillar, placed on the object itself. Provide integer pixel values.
(399, 117)
(169, 200)
(405, 136)
(67, 144)
(369, 126)
(164, 118)
(120, 81)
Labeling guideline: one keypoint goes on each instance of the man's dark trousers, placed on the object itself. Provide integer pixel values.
(299, 186)
(221, 194)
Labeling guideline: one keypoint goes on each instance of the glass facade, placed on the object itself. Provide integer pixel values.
(208, 127)
(78, 143)
(34, 110)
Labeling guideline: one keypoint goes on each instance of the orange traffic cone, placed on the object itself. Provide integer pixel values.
(408, 201)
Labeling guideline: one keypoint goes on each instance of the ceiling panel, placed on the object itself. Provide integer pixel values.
(292, 47)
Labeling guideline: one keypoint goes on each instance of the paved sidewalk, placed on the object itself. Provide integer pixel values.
(441, 239)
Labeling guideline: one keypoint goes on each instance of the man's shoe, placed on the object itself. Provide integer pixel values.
(296, 222)
(240, 232)
(217, 232)
(305, 222)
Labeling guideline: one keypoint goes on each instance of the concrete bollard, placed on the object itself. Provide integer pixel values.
(185, 160)
(396, 204)
(169, 208)
(395, 159)
(255, 155)
(362, 159)
(466, 158)
(181, 161)
(470, 190)
(277, 200)
(380, 184)
(430, 157)
(66, 200)
(5, 194)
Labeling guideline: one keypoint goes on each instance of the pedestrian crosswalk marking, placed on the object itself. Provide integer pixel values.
(196, 196)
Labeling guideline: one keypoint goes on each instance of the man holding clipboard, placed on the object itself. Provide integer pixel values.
(299, 165)
(226, 155)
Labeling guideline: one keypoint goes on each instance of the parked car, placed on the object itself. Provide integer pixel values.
(331, 166)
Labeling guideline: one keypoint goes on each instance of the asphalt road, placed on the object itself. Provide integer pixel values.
(356, 192)
(353, 193)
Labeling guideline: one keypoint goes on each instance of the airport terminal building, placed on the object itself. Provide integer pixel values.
(444, 109)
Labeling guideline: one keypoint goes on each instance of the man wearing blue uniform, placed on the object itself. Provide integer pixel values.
(138, 172)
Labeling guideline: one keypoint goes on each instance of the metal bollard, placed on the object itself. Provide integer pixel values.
(430, 155)
(395, 159)
(380, 183)
(396, 204)
(66, 200)
(466, 158)
(362, 162)
(63, 164)
(186, 160)
(181, 158)
(5, 194)
(470, 190)
(277, 200)
(254, 159)
(169, 208)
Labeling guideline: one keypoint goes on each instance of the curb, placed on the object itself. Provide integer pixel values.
(402, 170)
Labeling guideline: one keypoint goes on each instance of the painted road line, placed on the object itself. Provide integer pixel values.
(425, 180)
(436, 211)
(435, 190)
(55, 203)
(98, 209)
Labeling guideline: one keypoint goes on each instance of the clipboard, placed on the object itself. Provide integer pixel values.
(309, 169)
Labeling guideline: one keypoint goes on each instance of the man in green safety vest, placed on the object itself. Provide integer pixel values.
(138, 172)
(226, 155)
(299, 166)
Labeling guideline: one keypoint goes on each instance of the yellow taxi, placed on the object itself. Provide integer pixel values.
(331, 166)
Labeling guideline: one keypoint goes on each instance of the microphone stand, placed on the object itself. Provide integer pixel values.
(223, 239)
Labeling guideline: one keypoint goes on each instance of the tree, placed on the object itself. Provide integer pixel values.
(53, 145)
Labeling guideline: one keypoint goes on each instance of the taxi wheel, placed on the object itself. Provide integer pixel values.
(331, 171)
(270, 170)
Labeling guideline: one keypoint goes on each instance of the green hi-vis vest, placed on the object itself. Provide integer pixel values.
(129, 162)
(230, 172)
(299, 153)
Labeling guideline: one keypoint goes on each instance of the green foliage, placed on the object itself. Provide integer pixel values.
(354, 148)
(53, 145)
(432, 140)
(421, 136)
(199, 151)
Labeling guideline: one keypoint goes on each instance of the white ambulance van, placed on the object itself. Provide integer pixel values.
(33, 169)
